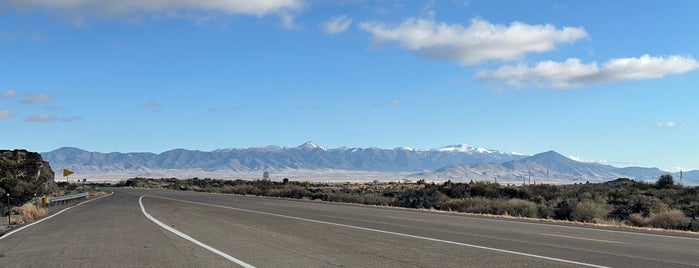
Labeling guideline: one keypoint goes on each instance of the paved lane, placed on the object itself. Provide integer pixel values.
(107, 232)
(293, 233)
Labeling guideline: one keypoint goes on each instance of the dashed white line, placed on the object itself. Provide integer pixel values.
(185, 236)
(394, 233)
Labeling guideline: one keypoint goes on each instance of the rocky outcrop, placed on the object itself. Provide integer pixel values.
(24, 174)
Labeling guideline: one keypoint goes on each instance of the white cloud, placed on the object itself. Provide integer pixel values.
(37, 98)
(9, 93)
(574, 73)
(5, 113)
(666, 124)
(480, 41)
(119, 7)
(152, 104)
(40, 118)
(288, 22)
(337, 24)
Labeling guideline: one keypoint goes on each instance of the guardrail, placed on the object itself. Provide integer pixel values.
(54, 199)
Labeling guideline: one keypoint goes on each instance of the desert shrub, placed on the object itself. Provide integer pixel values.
(694, 225)
(546, 210)
(346, 198)
(637, 219)
(563, 210)
(290, 192)
(376, 199)
(671, 219)
(30, 212)
(457, 190)
(665, 181)
(518, 207)
(244, 189)
(479, 205)
(589, 211)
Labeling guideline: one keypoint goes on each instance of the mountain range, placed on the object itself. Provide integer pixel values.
(456, 162)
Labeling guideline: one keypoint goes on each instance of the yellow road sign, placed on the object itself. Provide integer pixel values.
(66, 172)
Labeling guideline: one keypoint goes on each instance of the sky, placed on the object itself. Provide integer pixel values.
(604, 81)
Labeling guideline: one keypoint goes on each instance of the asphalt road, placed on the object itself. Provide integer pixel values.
(209, 230)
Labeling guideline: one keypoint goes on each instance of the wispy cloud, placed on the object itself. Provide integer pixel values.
(390, 103)
(116, 8)
(337, 24)
(71, 119)
(7, 113)
(41, 118)
(8, 93)
(287, 22)
(480, 41)
(152, 104)
(574, 73)
(36, 98)
(666, 124)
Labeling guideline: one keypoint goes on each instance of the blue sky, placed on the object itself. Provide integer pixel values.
(608, 81)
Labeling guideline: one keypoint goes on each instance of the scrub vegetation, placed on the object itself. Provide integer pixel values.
(622, 201)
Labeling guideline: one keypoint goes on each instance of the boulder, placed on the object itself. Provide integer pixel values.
(24, 174)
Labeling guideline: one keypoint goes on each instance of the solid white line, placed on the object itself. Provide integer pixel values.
(393, 233)
(185, 236)
(583, 228)
(26, 226)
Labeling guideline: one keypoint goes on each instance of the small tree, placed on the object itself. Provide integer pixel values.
(665, 181)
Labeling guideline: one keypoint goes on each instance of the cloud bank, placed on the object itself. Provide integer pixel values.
(574, 73)
(473, 44)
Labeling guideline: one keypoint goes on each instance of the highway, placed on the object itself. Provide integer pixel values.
(151, 228)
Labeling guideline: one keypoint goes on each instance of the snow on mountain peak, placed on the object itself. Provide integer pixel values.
(463, 148)
(309, 145)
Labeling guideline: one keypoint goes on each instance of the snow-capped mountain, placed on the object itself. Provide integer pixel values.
(308, 156)
(312, 161)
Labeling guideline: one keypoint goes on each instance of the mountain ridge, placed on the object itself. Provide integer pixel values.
(454, 162)
(306, 156)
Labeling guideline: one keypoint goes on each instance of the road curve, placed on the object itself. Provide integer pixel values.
(122, 230)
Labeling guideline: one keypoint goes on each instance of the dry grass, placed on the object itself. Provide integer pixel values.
(28, 212)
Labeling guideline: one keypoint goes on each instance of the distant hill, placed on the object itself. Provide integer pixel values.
(548, 167)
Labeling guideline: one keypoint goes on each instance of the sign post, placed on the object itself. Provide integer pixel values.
(66, 173)
(9, 211)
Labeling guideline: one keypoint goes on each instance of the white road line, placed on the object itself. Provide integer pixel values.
(583, 228)
(185, 236)
(26, 226)
(393, 233)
